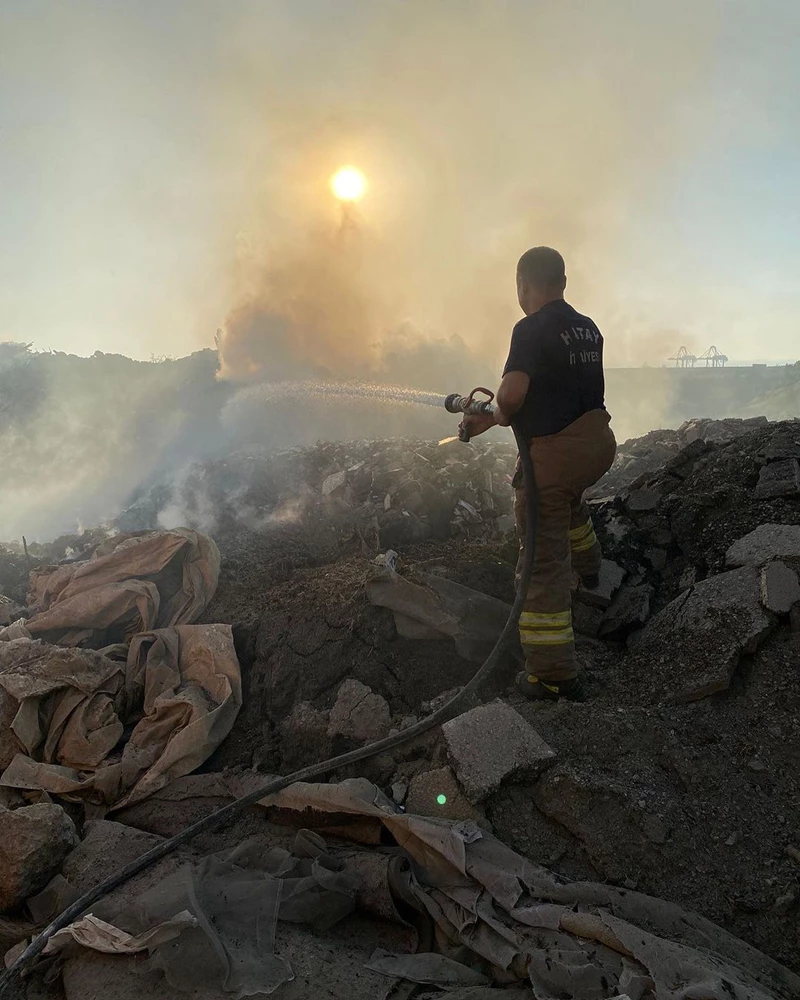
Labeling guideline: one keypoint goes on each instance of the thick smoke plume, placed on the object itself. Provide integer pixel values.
(483, 128)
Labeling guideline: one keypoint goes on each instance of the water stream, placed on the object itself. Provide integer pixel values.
(370, 391)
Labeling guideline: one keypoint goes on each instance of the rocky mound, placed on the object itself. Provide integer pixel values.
(677, 777)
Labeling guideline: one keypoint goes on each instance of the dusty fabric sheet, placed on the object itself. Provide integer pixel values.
(499, 918)
(180, 688)
(132, 583)
(436, 608)
(579, 940)
(96, 934)
(423, 967)
(226, 910)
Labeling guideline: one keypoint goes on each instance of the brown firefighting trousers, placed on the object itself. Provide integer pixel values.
(564, 464)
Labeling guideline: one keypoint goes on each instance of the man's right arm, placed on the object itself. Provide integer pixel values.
(514, 385)
(510, 396)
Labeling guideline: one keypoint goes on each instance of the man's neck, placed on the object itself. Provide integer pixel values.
(546, 300)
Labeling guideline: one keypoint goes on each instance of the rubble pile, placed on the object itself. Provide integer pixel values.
(643, 455)
(389, 492)
(557, 849)
(691, 663)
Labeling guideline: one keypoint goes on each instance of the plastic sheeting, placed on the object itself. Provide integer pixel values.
(497, 917)
(132, 583)
(436, 608)
(426, 967)
(225, 911)
(580, 940)
(180, 688)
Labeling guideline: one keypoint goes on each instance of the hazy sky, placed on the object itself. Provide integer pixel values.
(155, 154)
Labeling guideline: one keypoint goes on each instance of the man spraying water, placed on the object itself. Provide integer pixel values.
(553, 389)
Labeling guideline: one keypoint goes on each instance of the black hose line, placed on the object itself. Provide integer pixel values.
(456, 704)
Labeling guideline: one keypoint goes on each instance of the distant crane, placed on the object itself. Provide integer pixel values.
(713, 358)
(683, 358)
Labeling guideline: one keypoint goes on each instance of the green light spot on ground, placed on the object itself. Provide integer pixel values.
(441, 799)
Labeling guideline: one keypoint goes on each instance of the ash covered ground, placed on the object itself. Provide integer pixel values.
(677, 777)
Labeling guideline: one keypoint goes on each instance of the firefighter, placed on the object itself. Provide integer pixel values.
(553, 390)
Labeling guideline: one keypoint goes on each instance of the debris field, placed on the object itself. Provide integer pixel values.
(643, 843)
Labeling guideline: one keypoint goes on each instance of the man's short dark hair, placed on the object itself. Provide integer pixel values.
(542, 267)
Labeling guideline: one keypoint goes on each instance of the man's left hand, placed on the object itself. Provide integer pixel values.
(474, 424)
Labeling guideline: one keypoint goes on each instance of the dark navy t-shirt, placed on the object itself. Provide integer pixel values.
(562, 352)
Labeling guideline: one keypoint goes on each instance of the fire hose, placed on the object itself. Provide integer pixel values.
(454, 404)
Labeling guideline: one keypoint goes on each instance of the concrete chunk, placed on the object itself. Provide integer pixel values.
(629, 610)
(436, 793)
(333, 483)
(701, 635)
(359, 714)
(34, 841)
(767, 542)
(611, 577)
(778, 479)
(780, 589)
(490, 744)
(643, 500)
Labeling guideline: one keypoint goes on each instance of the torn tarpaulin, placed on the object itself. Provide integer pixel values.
(181, 686)
(225, 910)
(497, 916)
(132, 583)
(578, 940)
(436, 608)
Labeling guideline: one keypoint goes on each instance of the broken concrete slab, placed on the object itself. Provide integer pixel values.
(331, 484)
(34, 841)
(778, 479)
(437, 793)
(629, 610)
(782, 445)
(766, 542)
(643, 500)
(699, 638)
(611, 577)
(490, 744)
(684, 462)
(359, 714)
(780, 588)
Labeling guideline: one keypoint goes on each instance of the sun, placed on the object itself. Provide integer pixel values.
(348, 184)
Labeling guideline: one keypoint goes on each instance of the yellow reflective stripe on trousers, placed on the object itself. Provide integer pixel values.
(546, 619)
(551, 637)
(546, 628)
(582, 539)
